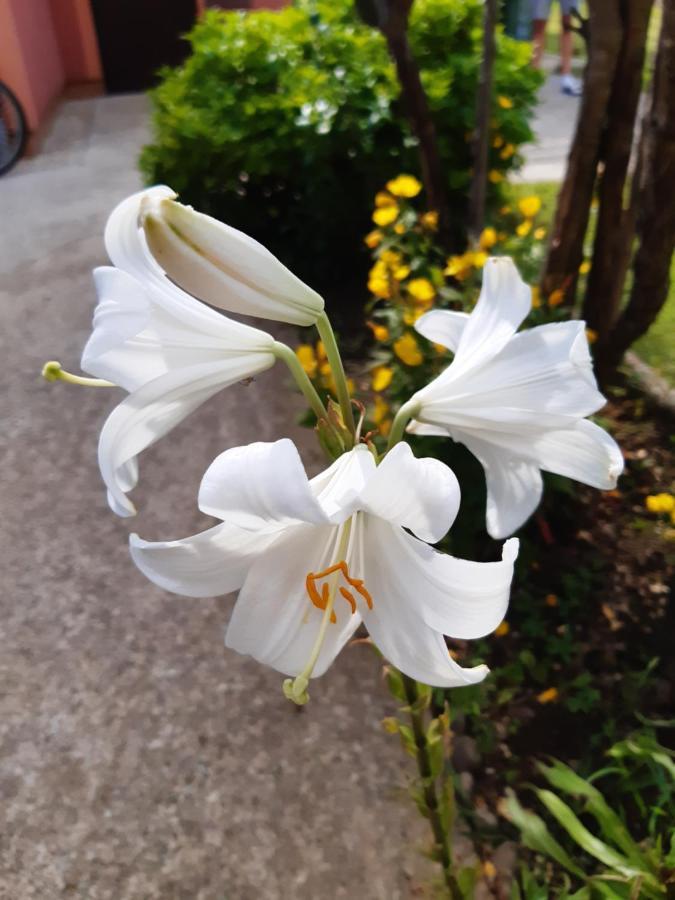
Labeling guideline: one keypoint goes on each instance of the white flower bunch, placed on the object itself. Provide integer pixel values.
(312, 559)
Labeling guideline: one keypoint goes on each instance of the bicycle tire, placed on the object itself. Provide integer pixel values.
(13, 131)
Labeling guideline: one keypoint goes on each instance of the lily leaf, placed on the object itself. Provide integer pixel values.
(535, 833)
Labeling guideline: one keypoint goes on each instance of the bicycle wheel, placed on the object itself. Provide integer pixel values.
(12, 129)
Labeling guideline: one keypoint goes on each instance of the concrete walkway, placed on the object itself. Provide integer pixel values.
(138, 759)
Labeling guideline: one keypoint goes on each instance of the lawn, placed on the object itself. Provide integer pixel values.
(655, 347)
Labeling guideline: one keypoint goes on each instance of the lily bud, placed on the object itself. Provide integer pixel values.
(223, 266)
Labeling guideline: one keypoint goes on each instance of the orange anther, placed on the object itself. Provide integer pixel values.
(321, 600)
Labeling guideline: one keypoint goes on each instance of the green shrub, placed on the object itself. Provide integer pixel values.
(285, 124)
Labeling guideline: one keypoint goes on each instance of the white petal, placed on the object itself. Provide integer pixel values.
(257, 484)
(584, 452)
(457, 597)
(223, 266)
(339, 487)
(208, 564)
(395, 622)
(274, 620)
(443, 326)
(420, 494)
(128, 250)
(422, 429)
(154, 409)
(514, 486)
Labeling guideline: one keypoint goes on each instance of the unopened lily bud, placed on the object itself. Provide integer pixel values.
(223, 266)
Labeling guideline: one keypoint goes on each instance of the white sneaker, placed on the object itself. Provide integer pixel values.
(571, 86)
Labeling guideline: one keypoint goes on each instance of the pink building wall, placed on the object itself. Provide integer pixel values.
(43, 45)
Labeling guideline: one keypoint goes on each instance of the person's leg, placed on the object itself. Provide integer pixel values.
(568, 83)
(540, 11)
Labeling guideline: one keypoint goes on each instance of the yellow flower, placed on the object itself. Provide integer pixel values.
(380, 410)
(373, 239)
(321, 351)
(404, 186)
(591, 336)
(585, 267)
(487, 239)
(399, 228)
(478, 258)
(536, 297)
(497, 141)
(524, 228)
(421, 289)
(539, 233)
(660, 503)
(441, 349)
(385, 427)
(550, 695)
(385, 215)
(551, 600)
(459, 266)
(507, 152)
(494, 176)
(556, 297)
(380, 332)
(382, 198)
(401, 272)
(390, 257)
(502, 629)
(305, 353)
(529, 206)
(411, 314)
(429, 220)
(379, 287)
(408, 351)
(381, 377)
(505, 102)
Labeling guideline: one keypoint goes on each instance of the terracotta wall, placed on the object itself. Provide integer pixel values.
(43, 45)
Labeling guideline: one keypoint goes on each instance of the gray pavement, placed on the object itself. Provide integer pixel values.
(139, 760)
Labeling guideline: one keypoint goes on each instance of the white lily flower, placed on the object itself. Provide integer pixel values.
(312, 559)
(221, 265)
(167, 349)
(517, 401)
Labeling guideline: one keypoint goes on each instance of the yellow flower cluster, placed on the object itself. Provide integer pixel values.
(460, 267)
(386, 271)
(408, 350)
(660, 504)
(404, 186)
(314, 361)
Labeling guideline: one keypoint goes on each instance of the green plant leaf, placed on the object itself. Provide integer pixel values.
(535, 833)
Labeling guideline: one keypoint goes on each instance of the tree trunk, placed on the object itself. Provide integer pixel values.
(574, 200)
(616, 222)
(482, 129)
(394, 26)
(655, 209)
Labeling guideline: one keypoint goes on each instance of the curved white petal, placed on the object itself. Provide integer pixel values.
(395, 622)
(128, 250)
(260, 483)
(457, 597)
(505, 300)
(274, 620)
(338, 488)
(224, 266)
(208, 564)
(584, 452)
(423, 429)
(443, 326)
(514, 485)
(154, 409)
(420, 494)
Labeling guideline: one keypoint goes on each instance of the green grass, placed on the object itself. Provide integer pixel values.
(657, 347)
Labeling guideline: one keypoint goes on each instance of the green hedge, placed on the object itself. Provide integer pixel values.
(286, 124)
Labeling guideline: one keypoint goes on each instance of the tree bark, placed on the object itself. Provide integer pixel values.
(655, 209)
(616, 221)
(574, 200)
(482, 130)
(394, 26)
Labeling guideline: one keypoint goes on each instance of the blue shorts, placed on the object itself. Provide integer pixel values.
(541, 9)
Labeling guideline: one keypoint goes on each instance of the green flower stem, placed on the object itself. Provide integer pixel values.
(441, 837)
(327, 335)
(284, 353)
(407, 412)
